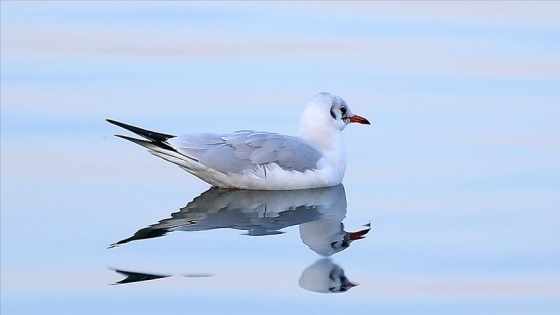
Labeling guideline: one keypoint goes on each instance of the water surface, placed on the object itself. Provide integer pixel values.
(458, 175)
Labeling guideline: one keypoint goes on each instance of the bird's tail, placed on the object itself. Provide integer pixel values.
(156, 137)
(155, 143)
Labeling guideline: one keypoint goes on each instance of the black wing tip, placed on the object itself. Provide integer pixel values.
(148, 134)
(123, 125)
(129, 138)
(120, 124)
(114, 122)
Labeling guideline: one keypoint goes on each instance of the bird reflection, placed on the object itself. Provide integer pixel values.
(131, 276)
(325, 277)
(318, 212)
(135, 276)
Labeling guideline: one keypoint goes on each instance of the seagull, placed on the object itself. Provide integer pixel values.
(262, 160)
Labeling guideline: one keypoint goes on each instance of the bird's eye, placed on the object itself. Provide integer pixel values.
(343, 110)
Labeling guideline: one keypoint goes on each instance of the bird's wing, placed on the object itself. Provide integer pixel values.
(244, 150)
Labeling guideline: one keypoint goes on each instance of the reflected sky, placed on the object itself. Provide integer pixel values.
(458, 173)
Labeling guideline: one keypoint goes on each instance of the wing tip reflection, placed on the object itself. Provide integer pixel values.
(145, 233)
(135, 276)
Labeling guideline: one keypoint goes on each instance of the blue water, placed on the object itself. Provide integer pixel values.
(458, 175)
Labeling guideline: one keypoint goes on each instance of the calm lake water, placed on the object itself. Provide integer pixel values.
(451, 199)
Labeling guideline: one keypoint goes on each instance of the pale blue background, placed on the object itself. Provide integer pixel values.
(459, 173)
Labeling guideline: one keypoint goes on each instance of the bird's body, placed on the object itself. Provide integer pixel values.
(263, 160)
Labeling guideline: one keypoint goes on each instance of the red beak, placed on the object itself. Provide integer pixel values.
(359, 234)
(349, 285)
(359, 119)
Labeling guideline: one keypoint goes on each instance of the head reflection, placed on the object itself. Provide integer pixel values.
(325, 277)
(319, 213)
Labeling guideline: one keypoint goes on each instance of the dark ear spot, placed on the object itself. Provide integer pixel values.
(333, 114)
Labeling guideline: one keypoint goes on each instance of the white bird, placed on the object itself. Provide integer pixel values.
(263, 160)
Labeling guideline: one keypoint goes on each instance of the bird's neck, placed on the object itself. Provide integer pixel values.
(328, 141)
(323, 139)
